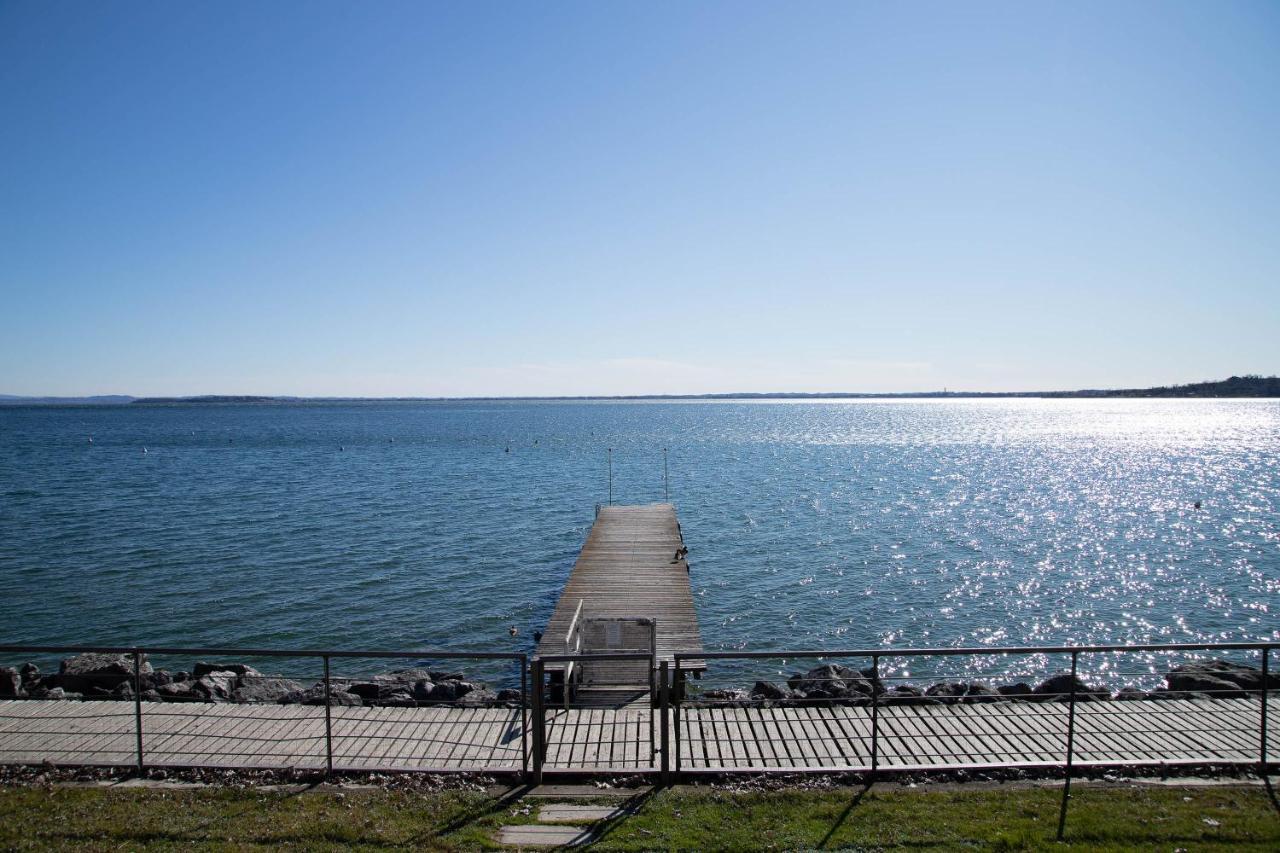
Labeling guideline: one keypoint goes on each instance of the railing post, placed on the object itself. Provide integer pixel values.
(679, 679)
(664, 697)
(328, 722)
(539, 720)
(610, 476)
(524, 717)
(1266, 683)
(875, 715)
(666, 481)
(1071, 742)
(137, 703)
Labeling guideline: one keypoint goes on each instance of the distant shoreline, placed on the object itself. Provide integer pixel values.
(1235, 387)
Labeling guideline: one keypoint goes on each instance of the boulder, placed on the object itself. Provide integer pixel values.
(907, 694)
(264, 689)
(202, 669)
(405, 676)
(423, 690)
(30, 673)
(481, 697)
(1244, 677)
(435, 675)
(449, 691)
(977, 692)
(102, 671)
(721, 695)
(216, 686)
(315, 696)
(176, 691)
(397, 699)
(10, 683)
(830, 681)
(1130, 694)
(769, 690)
(509, 695)
(1059, 686)
(1019, 690)
(947, 692)
(1196, 681)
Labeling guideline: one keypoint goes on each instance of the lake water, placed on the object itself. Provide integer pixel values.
(810, 524)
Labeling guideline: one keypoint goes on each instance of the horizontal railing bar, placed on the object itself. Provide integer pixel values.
(594, 657)
(281, 653)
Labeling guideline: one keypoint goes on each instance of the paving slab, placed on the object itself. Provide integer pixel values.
(570, 813)
(533, 835)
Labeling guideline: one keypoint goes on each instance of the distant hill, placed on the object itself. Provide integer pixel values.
(100, 400)
(1251, 385)
(1236, 386)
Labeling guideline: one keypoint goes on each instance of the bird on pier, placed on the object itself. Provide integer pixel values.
(681, 553)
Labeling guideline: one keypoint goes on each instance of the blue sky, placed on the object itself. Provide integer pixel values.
(563, 198)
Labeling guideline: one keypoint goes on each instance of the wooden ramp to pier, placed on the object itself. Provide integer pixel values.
(627, 570)
(712, 739)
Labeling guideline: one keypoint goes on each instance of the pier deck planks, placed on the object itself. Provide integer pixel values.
(626, 570)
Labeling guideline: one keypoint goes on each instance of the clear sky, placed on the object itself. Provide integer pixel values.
(561, 198)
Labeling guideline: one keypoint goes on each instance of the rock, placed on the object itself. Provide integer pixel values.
(769, 690)
(1197, 681)
(406, 676)
(509, 695)
(1129, 694)
(481, 697)
(947, 692)
(202, 669)
(124, 690)
(30, 673)
(1019, 690)
(449, 691)
(264, 689)
(58, 693)
(907, 694)
(315, 696)
(176, 691)
(976, 692)
(157, 678)
(423, 690)
(830, 681)
(151, 696)
(216, 686)
(873, 679)
(1244, 677)
(445, 676)
(10, 683)
(398, 699)
(733, 695)
(1059, 686)
(103, 671)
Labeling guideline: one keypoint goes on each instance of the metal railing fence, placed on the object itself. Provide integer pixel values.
(852, 713)
(239, 717)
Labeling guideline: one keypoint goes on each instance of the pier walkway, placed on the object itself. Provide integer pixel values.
(723, 739)
(628, 592)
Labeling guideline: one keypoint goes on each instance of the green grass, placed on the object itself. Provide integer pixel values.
(1115, 818)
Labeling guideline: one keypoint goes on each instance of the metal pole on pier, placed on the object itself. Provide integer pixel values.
(666, 482)
(137, 702)
(610, 476)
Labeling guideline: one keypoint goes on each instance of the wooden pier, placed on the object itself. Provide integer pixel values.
(629, 573)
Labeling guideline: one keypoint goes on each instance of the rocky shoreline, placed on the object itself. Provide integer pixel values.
(832, 684)
(111, 676)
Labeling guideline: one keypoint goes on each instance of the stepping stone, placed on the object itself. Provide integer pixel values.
(532, 835)
(569, 813)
